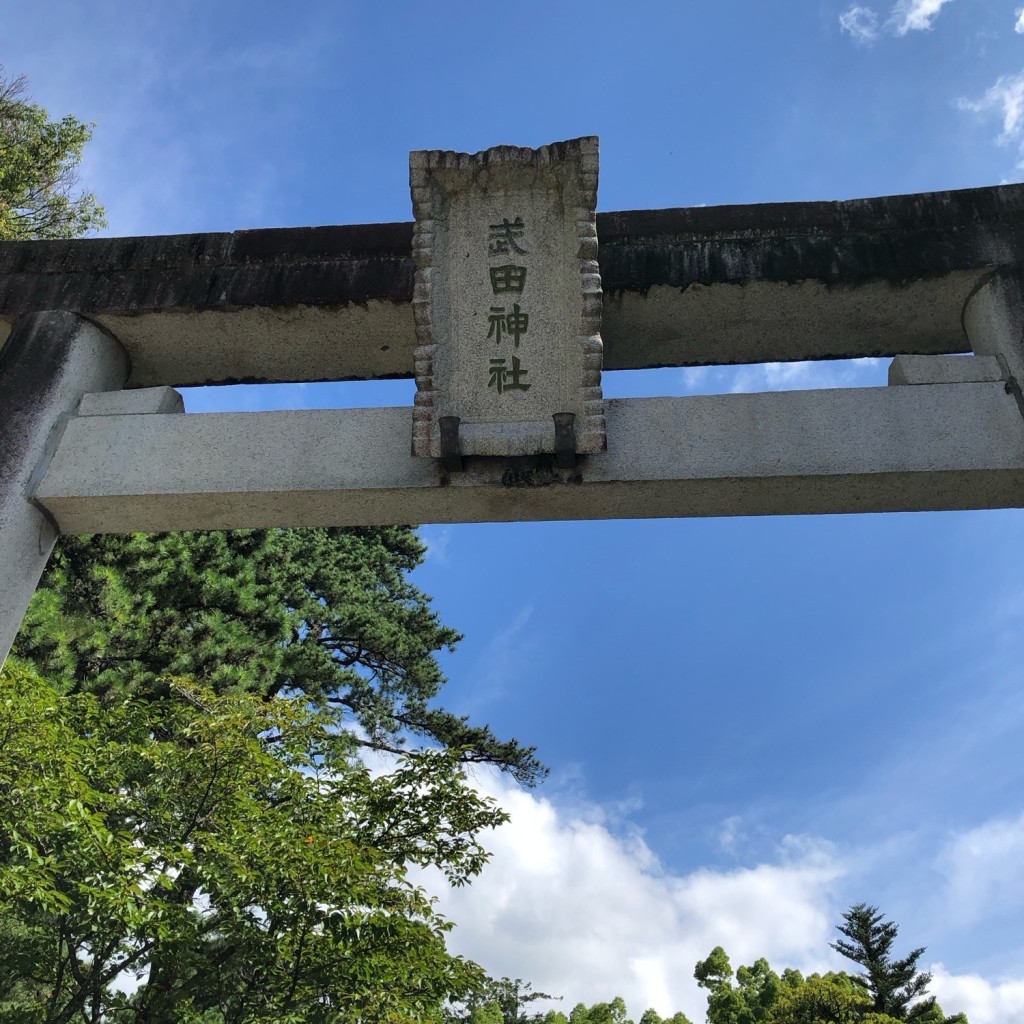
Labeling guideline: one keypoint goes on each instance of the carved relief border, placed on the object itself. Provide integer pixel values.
(427, 200)
(424, 416)
(591, 435)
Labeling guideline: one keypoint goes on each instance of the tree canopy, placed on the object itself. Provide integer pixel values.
(498, 1001)
(189, 816)
(39, 161)
(223, 860)
(889, 992)
(507, 1001)
(750, 1001)
(326, 613)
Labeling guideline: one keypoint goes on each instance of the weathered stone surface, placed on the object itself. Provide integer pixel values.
(942, 446)
(140, 402)
(994, 320)
(45, 366)
(507, 300)
(944, 370)
(734, 284)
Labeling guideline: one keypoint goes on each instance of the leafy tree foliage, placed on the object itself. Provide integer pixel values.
(218, 859)
(498, 1001)
(896, 987)
(652, 1017)
(750, 1001)
(759, 995)
(506, 1001)
(208, 693)
(326, 613)
(832, 998)
(38, 170)
(614, 1012)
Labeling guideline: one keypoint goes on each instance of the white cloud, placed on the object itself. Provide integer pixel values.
(586, 913)
(803, 375)
(792, 376)
(906, 16)
(914, 15)
(984, 1002)
(575, 902)
(438, 540)
(730, 834)
(983, 869)
(1005, 99)
(1019, 26)
(860, 22)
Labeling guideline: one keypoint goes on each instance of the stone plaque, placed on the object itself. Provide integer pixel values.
(507, 299)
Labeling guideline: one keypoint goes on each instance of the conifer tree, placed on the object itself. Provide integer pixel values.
(896, 987)
(267, 627)
(326, 613)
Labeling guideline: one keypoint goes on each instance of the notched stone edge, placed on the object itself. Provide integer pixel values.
(424, 415)
(591, 431)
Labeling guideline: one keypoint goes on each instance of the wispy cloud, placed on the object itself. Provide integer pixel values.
(164, 92)
(1004, 100)
(982, 866)
(864, 24)
(730, 834)
(502, 660)
(438, 540)
(1019, 26)
(914, 15)
(860, 22)
(794, 376)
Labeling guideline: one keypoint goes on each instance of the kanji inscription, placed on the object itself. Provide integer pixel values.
(508, 298)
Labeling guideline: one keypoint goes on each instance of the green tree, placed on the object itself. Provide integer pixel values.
(750, 1001)
(895, 987)
(499, 1001)
(486, 1013)
(613, 1012)
(760, 995)
(227, 855)
(833, 998)
(653, 1017)
(39, 160)
(315, 634)
(326, 613)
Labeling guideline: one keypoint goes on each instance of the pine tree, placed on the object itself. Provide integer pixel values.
(326, 613)
(193, 716)
(896, 987)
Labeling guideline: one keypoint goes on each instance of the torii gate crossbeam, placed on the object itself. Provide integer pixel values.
(914, 277)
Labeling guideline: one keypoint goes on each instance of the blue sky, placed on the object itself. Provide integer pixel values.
(751, 723)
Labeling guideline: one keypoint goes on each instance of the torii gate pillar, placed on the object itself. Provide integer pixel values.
(994, 324)
(48, 362)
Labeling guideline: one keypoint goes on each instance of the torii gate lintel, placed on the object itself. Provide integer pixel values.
(923, 279)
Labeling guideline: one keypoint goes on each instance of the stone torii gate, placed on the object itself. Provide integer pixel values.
(932, 280)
